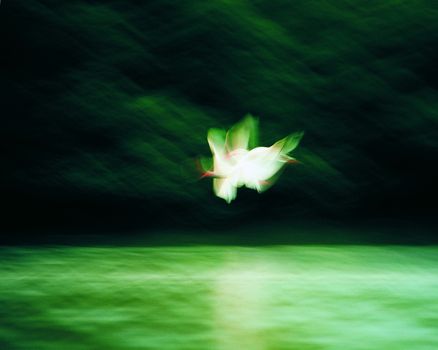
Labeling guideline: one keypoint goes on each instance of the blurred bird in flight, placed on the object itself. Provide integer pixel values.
(238, 162)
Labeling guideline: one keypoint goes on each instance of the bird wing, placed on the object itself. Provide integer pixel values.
(216, 141)
(243, 135)
(288, 144)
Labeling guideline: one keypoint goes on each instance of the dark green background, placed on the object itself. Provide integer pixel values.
(106, 106)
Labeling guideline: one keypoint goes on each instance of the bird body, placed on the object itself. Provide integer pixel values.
(236, 164)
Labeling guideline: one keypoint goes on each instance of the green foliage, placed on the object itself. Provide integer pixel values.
(116, 98)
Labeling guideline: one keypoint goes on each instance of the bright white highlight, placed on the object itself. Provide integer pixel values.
(237, 163)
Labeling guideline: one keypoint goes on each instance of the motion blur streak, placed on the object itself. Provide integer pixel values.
(212, 297)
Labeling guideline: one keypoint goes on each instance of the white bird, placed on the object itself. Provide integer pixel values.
(237, 163)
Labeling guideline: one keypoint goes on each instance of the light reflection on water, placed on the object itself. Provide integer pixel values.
(213, 297)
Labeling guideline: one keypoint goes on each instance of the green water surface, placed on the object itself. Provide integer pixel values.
(216, 297)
